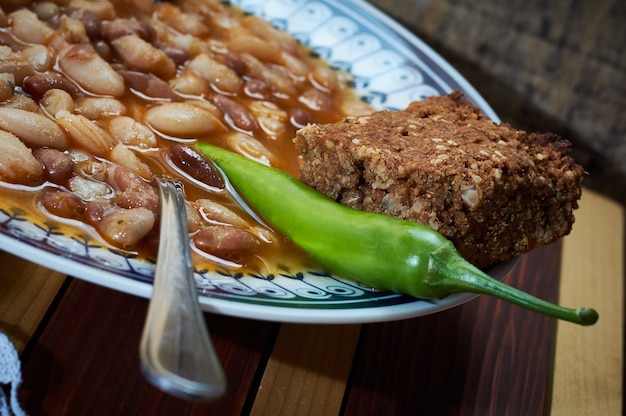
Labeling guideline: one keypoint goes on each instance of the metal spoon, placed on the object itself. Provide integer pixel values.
(176, 353)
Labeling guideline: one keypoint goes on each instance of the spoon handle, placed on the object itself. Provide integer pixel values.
(176, 353)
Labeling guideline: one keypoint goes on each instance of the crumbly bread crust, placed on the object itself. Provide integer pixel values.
(494, 191)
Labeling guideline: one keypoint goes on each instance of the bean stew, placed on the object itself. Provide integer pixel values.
(97, 97)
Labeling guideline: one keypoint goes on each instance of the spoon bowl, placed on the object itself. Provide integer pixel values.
(176, 353)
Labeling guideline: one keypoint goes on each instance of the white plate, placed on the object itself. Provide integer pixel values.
(391, 68)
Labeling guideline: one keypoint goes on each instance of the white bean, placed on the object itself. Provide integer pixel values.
(278, 82)
(182, 22)
(263, 29)
(55, 100)
(73, 30)
(23, 102)
(90, 190)
(26, 26)
(103, 9)
(96, 107)
(207, 106)
(124, 156)
(214, 212)
(249, 147)
(194, 220)
(39, 56)
(7, 82)
(139, 55)
(130, 132)
(84, 66)
(125, 227)
(324, 78)
(298, 68)
(253, 45)
(34, 129)
(122, 227)
(181, 120)
(17, 163)
(219, 75)
(12, 62)
(272, 119)
(189, 83)
(86, 134)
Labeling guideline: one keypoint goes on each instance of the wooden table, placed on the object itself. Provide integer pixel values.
(79, 346)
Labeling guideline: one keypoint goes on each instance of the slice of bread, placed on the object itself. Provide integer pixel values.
(494, 191)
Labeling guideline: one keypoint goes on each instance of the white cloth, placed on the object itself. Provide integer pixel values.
(10, 375)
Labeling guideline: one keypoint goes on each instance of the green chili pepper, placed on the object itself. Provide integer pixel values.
(375, 249)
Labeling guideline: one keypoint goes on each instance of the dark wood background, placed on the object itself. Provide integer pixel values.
(557, 66)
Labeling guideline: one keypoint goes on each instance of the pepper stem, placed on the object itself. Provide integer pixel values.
(450, 273)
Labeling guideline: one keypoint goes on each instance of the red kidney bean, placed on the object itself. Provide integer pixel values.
(149, 85)
(225, 241)
(258, 89)
(178, 55)
(299, 117)
(317, 100)
(236, 114)
(131, 191)
(196, 165)
(95, 211)
(91, 22)
(37, 85)
(63, 204)
(122, 27)
(58, 166)
(234, 62)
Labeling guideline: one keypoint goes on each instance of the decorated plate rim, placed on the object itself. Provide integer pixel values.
(352, 35)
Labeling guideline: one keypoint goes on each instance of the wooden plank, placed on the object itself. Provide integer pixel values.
(87, 359)
(308, 370)
(589, 362)
(486, 357)
(26, 292)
